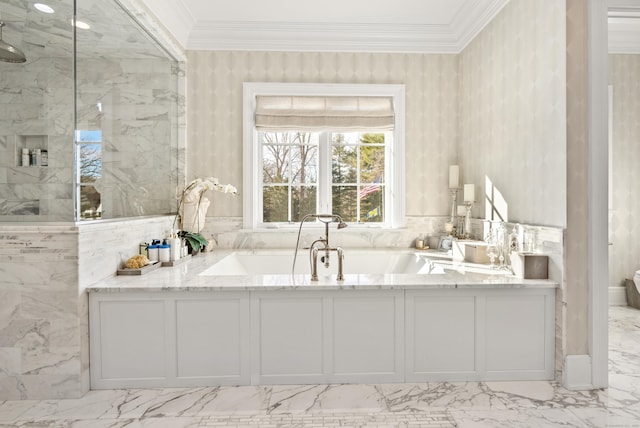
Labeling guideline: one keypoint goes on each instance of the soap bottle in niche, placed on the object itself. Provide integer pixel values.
(44, 161)
(33, 157)
(38, 157)
(26, 160)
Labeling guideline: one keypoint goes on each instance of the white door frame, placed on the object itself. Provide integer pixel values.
(598, 178)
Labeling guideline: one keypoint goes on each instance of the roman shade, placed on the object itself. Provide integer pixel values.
(318, 113)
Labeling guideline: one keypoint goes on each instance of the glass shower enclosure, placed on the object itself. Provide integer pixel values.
(88, 123)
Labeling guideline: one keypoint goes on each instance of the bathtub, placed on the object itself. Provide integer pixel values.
(280, 262)
(239, 317)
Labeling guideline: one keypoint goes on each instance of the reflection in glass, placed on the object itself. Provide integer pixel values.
(126, 92)
(90, 203)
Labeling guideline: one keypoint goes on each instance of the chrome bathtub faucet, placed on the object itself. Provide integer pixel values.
(324, 241)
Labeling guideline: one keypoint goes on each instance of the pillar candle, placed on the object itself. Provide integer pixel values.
(454, 174)
(462, 210)
(469, 193)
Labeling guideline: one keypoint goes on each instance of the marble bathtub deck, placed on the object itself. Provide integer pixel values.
(455, 404)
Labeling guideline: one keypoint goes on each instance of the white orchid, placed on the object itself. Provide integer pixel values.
(198, 187)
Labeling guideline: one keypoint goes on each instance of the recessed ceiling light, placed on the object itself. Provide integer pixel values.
(43, 7)
(81, 24)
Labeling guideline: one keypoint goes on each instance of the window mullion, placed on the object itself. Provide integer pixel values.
(324, 173)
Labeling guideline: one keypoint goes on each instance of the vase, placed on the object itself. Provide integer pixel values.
(193, 215)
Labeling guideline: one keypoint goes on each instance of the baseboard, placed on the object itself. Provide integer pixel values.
(577, 372)
(617, 296)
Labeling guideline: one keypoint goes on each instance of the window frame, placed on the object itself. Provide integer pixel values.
(252, 171)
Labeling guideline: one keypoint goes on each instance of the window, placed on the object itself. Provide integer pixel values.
(356, 173)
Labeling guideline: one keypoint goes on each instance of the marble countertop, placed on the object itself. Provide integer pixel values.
(186, 277)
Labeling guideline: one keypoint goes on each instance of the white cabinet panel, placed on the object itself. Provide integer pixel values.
(132, 339)
(288, 337)
(179, 339)
(515, 333)
(211, 338)
(442, 334)
(367, 336)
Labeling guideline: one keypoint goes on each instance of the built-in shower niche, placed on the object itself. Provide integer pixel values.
(23, 177)
(32, 150)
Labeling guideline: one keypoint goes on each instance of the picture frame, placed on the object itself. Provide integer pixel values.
(445, 243)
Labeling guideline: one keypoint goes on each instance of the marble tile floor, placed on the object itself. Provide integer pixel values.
(440, 404)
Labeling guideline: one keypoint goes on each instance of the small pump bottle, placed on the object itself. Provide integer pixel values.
(164, 252)
(25, 157)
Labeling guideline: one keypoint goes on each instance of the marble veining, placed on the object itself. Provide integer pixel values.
(438, 404)
(187, 277)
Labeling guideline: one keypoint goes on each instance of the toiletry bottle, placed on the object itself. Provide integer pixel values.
(33, 157)
(38, 157)
(154, 250)
(45, 158)
(164, 252)
(176, 244)
(144, 249)
(25, 157)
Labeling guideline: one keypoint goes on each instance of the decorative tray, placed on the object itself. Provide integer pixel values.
(176, 262)
(139, 271)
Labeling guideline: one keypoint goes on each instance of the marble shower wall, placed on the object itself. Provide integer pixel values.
(138, 116)
(513, 113)
(44, 333)
(36, 111)
(624, 230)
(127, 87)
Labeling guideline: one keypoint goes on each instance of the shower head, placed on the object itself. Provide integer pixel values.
(9, 53)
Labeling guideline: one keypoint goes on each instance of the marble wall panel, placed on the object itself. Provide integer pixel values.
(44, 333)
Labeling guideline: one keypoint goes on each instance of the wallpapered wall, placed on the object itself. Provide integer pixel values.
(513, 111)
(214, 94)
(624, 230)
(497, 109)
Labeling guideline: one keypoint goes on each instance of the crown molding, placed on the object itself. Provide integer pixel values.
(624, 40)
(155, 28)
(624, 26)
(470, 23)
(334, 37)
(175, 16)
(321, 37)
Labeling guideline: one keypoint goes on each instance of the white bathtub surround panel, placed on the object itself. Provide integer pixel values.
(352, 331)
(319, 336)
(345, 337)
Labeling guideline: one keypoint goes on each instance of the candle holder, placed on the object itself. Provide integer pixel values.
(467, 219)
(451, 226)
(454, 198)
